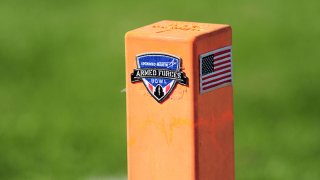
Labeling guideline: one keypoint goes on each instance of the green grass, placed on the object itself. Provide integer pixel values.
(62, 115)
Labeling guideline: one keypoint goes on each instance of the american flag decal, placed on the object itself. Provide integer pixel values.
(215, 69)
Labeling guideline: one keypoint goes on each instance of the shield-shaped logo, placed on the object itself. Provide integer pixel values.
(159, 72)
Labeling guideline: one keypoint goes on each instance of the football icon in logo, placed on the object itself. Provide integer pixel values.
(159, 72)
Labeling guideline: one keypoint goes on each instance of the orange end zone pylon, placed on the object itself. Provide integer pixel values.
(180, 102)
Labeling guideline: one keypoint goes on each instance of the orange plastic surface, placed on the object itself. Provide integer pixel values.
(189, 136)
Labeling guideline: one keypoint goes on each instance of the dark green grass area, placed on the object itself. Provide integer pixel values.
(62, 115)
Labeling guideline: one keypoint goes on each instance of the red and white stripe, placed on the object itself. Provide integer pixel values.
(166, 89)
(222, 74)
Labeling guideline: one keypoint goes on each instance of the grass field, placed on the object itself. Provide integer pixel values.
(62, 115)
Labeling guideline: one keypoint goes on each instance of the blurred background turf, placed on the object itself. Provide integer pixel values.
(62, 115)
